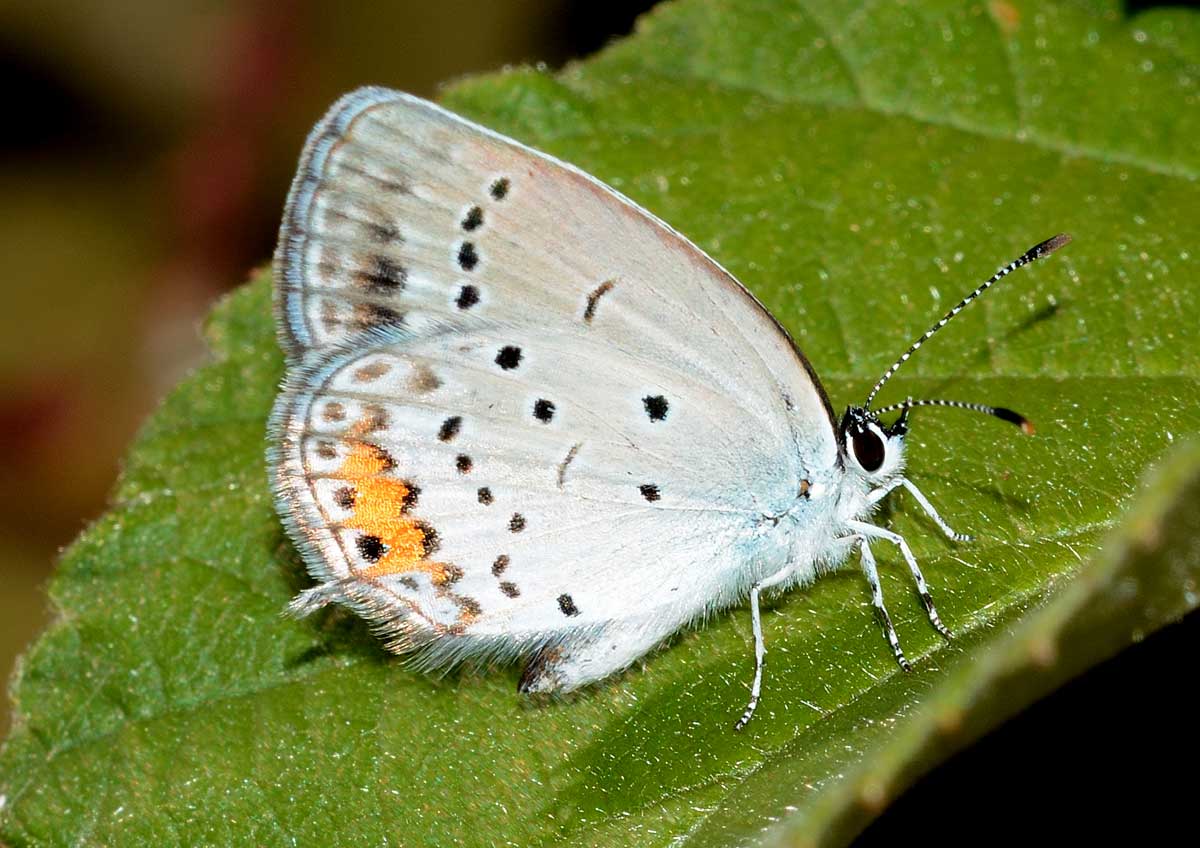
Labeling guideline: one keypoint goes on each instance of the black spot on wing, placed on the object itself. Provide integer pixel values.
(649, 492)
(656, 407)
(382, 275)
(450, 428)
(517, 523)
(468, 257)
(567, 604)
(509, 357)
(543, 410)
(473, 219)
(499, 189)
(468, 296)
(500, 564)
(485, 496)
(509, 589)
(344, 497)
(370, 547)
(463, 463)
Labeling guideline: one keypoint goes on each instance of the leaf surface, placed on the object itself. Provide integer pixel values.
(859, 168)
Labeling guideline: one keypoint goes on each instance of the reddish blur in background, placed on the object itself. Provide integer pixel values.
(148, 150)
(143, 172)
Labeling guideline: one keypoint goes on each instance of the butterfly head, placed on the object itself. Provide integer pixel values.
(870, 447)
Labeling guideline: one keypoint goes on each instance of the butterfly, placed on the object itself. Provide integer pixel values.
(523, 418)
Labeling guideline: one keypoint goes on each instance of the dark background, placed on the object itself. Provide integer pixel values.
(147, 153)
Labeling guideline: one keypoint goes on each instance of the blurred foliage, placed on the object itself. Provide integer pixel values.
(857, 170)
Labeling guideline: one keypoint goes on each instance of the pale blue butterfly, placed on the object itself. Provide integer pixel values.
(523, 417)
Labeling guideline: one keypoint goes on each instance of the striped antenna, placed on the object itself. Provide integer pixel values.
(998, 411)
(1034, 253)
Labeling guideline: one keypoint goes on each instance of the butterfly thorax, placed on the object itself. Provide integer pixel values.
(870, 459)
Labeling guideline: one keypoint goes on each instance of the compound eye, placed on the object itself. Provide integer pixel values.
(868, 449)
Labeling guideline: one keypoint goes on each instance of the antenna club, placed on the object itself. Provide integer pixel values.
(1014, 418)
(1049, 246)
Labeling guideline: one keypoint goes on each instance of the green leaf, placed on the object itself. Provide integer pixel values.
(858, 168)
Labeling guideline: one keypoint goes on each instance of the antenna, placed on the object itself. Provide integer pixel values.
(1000, 412)
(1034, 253)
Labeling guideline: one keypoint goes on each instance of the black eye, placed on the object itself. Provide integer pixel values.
(868, 450)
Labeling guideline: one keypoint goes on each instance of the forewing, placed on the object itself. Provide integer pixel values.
(403, 213)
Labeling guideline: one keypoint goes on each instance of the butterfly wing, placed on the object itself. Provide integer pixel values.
(520, 409)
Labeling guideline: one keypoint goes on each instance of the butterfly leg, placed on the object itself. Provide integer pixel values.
(882, 492)
(872, 574)
(760, 649)
(933, 513)
(871, 531)
(581, 660)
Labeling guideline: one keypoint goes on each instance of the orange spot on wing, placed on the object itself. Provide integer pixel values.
(380, 509)
(379, 504)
